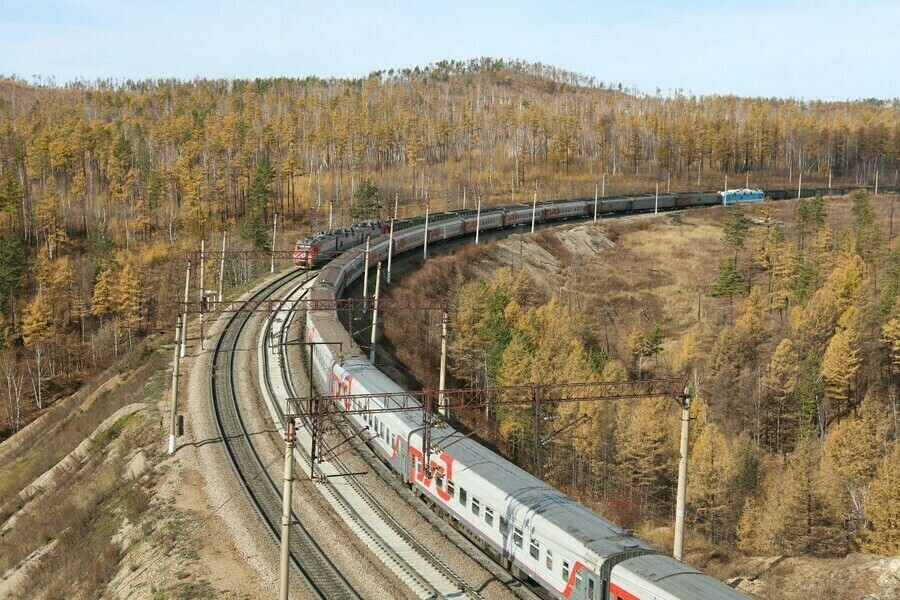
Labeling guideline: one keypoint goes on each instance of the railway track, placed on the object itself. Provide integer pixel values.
(321, 577)
(424, 572)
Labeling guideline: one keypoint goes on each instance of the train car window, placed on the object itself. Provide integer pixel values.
(535, 549)
(504, 526)
(393, 440)
(549, 563)
(579, 581)
(439, 480)
(517, 536)
(565, 570)
(590, 593)
(450, 488)
(489, 516)
(476, 506)
(462, 496)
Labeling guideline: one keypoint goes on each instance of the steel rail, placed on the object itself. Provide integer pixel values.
(323, 578)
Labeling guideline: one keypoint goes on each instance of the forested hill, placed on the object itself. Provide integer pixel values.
(103, 185)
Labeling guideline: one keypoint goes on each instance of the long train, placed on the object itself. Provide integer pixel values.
(319, 248)
(535, 530)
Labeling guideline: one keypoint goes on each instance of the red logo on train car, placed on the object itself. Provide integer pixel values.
(340, 386)
(445, 467)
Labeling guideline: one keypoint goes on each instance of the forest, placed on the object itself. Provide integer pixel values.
(791, 345)
(104, 185)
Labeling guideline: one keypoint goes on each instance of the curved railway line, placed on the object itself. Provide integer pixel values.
(322, 578)
(416, 565)
(363, 513)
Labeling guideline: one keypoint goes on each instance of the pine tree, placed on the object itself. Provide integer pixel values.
(883, 506)
(712, 471)
(11, 265)
(869, 241)
(368, 203)
(729, 283)
(252, 226)
(734, 232)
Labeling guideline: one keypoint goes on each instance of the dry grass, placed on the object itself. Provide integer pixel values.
(46, 441)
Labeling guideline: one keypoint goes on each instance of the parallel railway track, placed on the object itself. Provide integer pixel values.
(321, 577)
(418, 567)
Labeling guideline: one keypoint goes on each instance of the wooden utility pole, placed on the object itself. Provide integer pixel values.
(425, 241)
(284, 575)
(534, 208)
(442, 404)
(390, 250)
(173, 409)
(222, 265)
(375, 315)
(187, 296)
(274, 235)
(678, 552)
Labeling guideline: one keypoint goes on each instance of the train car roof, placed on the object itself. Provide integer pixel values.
(671, 579)
(540, 501)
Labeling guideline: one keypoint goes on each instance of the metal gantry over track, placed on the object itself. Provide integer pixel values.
(317, 408)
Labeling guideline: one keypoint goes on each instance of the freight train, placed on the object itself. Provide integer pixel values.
(533, 529)
(321, 247)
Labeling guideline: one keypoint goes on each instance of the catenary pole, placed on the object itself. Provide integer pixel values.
(478, 222)
(202, 287)
(366, 274)
(390, 250)
(442, 405)
(222, 265)
(187, 296)
(534, 207)
(173, 409)
(678, 551)
(274, 235)
(284, 574)
(595, 202)
(375, 315)
(425, 242)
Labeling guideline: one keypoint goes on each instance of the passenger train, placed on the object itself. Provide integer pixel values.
(321, 247)
(533, 529)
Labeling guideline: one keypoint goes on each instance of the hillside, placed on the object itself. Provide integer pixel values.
(795, 442)
(104, 185)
